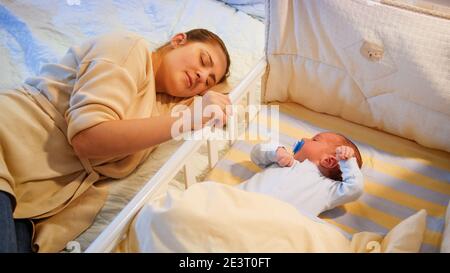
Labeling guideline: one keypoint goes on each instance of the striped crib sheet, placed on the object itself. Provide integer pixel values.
(401, 177)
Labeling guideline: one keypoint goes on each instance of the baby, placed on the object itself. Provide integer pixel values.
(323, 173)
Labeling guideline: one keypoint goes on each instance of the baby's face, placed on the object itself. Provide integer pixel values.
(314, 148)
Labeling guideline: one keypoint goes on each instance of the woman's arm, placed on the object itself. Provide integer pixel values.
(122, 137)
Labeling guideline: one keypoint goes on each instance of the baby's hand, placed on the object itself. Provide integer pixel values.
(284, 158)
(344, 153)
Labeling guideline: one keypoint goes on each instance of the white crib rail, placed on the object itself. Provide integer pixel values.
(115, 231)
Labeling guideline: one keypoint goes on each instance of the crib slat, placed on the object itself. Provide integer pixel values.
(189, 177)
(252, 104)
(213, 153)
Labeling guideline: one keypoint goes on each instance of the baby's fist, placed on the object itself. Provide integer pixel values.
(344, 153)
(284, 158)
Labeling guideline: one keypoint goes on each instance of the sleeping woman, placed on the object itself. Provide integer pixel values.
(96, 114)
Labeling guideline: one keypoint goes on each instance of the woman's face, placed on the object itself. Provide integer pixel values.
(190, 68)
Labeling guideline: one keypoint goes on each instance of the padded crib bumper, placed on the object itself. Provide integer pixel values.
(367, 62)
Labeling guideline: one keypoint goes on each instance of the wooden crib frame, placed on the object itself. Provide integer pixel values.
(115, 231)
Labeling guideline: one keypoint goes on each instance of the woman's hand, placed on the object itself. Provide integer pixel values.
(344, 153)
(213, 106)
(284, 158)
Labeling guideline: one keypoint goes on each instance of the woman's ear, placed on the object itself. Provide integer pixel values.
(179, 39)
(328, 162)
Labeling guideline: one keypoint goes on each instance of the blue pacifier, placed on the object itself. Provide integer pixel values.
(298, 146)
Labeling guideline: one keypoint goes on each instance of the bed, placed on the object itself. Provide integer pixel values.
(37, 32)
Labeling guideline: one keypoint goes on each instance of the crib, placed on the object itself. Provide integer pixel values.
(403, 174)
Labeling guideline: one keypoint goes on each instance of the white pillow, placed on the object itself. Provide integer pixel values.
(407, 236)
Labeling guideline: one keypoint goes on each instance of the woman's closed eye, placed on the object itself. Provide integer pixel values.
(207, 62)
(204, 60)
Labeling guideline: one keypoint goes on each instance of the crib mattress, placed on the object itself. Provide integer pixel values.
(400, 176)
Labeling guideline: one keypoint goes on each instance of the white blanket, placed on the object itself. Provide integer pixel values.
(213, 217)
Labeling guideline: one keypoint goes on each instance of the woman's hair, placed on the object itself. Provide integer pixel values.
(206, 36)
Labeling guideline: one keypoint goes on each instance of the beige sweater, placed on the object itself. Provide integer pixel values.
(106, 78)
